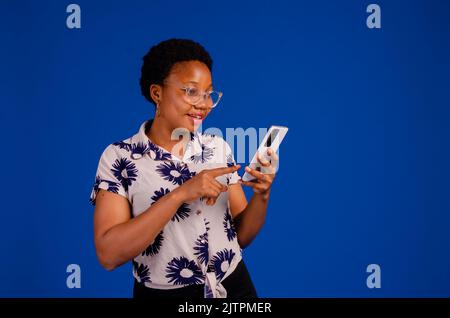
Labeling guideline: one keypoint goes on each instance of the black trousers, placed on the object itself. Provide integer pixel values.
(238, 285)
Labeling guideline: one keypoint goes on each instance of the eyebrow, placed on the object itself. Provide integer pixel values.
(210, 85)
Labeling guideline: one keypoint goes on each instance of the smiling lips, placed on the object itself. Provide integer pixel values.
(196, 116)
(197, 119)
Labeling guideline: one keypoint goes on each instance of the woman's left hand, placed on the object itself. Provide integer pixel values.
(264, 178)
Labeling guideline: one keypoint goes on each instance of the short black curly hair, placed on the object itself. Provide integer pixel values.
(160, 58)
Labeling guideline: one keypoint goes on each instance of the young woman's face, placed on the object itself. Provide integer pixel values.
(176, 111)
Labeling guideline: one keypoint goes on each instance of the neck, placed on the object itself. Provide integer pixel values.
(160, 133)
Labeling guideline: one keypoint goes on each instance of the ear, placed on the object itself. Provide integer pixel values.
(156, 92)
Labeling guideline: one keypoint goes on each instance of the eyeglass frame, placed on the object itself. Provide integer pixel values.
(187, 88)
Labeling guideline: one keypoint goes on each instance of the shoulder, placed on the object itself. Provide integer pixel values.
(117, 149)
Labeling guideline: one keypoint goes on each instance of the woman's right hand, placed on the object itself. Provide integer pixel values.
(204, 184)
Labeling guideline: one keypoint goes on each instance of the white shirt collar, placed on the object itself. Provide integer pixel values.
(143, 145)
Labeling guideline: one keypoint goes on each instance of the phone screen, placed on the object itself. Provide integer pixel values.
(271, 137)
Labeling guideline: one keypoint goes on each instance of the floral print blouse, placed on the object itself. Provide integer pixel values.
(199, 244)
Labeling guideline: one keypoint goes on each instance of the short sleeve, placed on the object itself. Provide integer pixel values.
(108, 174)
(232, 177)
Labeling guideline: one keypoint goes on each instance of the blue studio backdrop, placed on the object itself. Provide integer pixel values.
(364, 169)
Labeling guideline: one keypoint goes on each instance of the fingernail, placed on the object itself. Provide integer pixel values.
(247, 169)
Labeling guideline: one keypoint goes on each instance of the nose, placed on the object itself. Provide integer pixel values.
(202, 104)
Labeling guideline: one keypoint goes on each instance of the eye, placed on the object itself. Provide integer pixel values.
(193, 91)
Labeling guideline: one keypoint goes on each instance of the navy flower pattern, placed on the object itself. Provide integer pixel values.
(221, 261)
(201, 249)
(183, 250)
(125, 171)
(206, 154)
(182, 212)
(123, 145)
(155, 246)
(157, 153)
(181, 271)
(158, 194)
(139, 149)
(95, 188)
(174, 172)
(229, 226)
(142, 271)
(112, 187)
(96, 185)
(208, 292)
(206, 225)
(230, 160)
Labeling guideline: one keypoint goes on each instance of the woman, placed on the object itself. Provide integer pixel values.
(169, 198)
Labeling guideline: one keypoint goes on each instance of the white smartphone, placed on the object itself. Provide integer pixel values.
(272, 139)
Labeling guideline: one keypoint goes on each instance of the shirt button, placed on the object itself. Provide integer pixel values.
(199, 212)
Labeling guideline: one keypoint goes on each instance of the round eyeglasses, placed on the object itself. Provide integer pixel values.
(195, 96)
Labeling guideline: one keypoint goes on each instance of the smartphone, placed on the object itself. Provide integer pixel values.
(272, 139)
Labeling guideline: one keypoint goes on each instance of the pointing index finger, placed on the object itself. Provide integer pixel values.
(223, 170)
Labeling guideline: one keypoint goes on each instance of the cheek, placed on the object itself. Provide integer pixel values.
(176, 107)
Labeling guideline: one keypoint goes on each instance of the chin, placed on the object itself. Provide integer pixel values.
(190, 124)
(183, 126)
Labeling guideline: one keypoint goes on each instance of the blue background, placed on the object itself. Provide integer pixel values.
(364, 174)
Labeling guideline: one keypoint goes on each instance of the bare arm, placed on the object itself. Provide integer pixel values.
(119, 237)
(249, 218)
